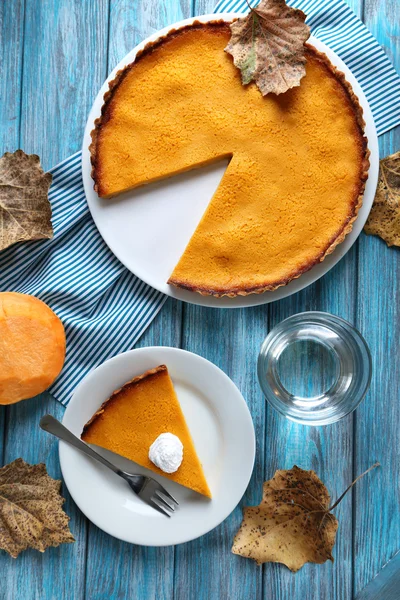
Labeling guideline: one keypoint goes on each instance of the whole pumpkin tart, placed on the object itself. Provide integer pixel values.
(298, 161)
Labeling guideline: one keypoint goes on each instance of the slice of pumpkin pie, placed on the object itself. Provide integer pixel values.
(143, 421)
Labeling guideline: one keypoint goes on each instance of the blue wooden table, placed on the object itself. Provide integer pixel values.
(54, 57)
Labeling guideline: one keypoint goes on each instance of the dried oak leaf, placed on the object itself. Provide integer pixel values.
(30, 509)
(268, 46)
(25, 211)
(384, 218)
(291, 525)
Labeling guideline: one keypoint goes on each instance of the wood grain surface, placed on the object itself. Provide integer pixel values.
(55, 54)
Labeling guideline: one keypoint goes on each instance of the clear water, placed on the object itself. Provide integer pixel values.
(314, 368)
(307, 369)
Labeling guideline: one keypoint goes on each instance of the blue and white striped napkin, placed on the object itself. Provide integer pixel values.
(103, 306)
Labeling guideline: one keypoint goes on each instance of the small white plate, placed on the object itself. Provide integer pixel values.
(149, 228)
(222, 430)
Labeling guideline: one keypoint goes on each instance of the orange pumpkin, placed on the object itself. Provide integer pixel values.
(32, 347)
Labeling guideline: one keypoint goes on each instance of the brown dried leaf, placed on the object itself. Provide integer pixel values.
(292, 524)
(384, 218)
(25, 211)
(30, 509)
(268, 46)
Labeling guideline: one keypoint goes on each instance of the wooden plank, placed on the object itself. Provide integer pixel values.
(11, 49)
(377, 433)
(356, 6)
(231, 339)
(205, 569)
(143, 573)
(132, 22)
(203, 7)
(64, 43)
(328, 450)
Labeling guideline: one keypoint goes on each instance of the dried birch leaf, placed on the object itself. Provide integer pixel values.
(30, 509)
(293, 524)
(25, 211)
(384, 218)
(268, 46)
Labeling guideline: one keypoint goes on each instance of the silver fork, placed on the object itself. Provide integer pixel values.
(148, 489)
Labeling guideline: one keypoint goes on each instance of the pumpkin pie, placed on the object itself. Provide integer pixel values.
(298, 161)
(133, 418)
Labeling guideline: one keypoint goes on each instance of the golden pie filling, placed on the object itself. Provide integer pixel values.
(298, 161)
(133, 418)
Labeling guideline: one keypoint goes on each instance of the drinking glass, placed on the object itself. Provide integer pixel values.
(314, 368)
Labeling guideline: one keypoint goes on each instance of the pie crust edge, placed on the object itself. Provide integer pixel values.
(115, 394)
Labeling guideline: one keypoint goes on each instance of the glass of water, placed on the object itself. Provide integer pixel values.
(314, 368)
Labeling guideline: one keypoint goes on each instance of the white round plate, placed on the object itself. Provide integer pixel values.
(148, 228)
(222, 430)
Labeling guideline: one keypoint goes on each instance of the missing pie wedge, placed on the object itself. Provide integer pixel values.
(298, 161)
(135, 415)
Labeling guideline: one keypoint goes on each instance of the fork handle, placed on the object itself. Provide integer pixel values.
(51, 425)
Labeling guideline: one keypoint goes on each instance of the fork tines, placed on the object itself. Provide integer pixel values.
(164, 502)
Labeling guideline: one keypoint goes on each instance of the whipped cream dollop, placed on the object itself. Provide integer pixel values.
(166, 452)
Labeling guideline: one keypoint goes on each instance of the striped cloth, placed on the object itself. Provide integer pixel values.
(333, 22)
(103, 306)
